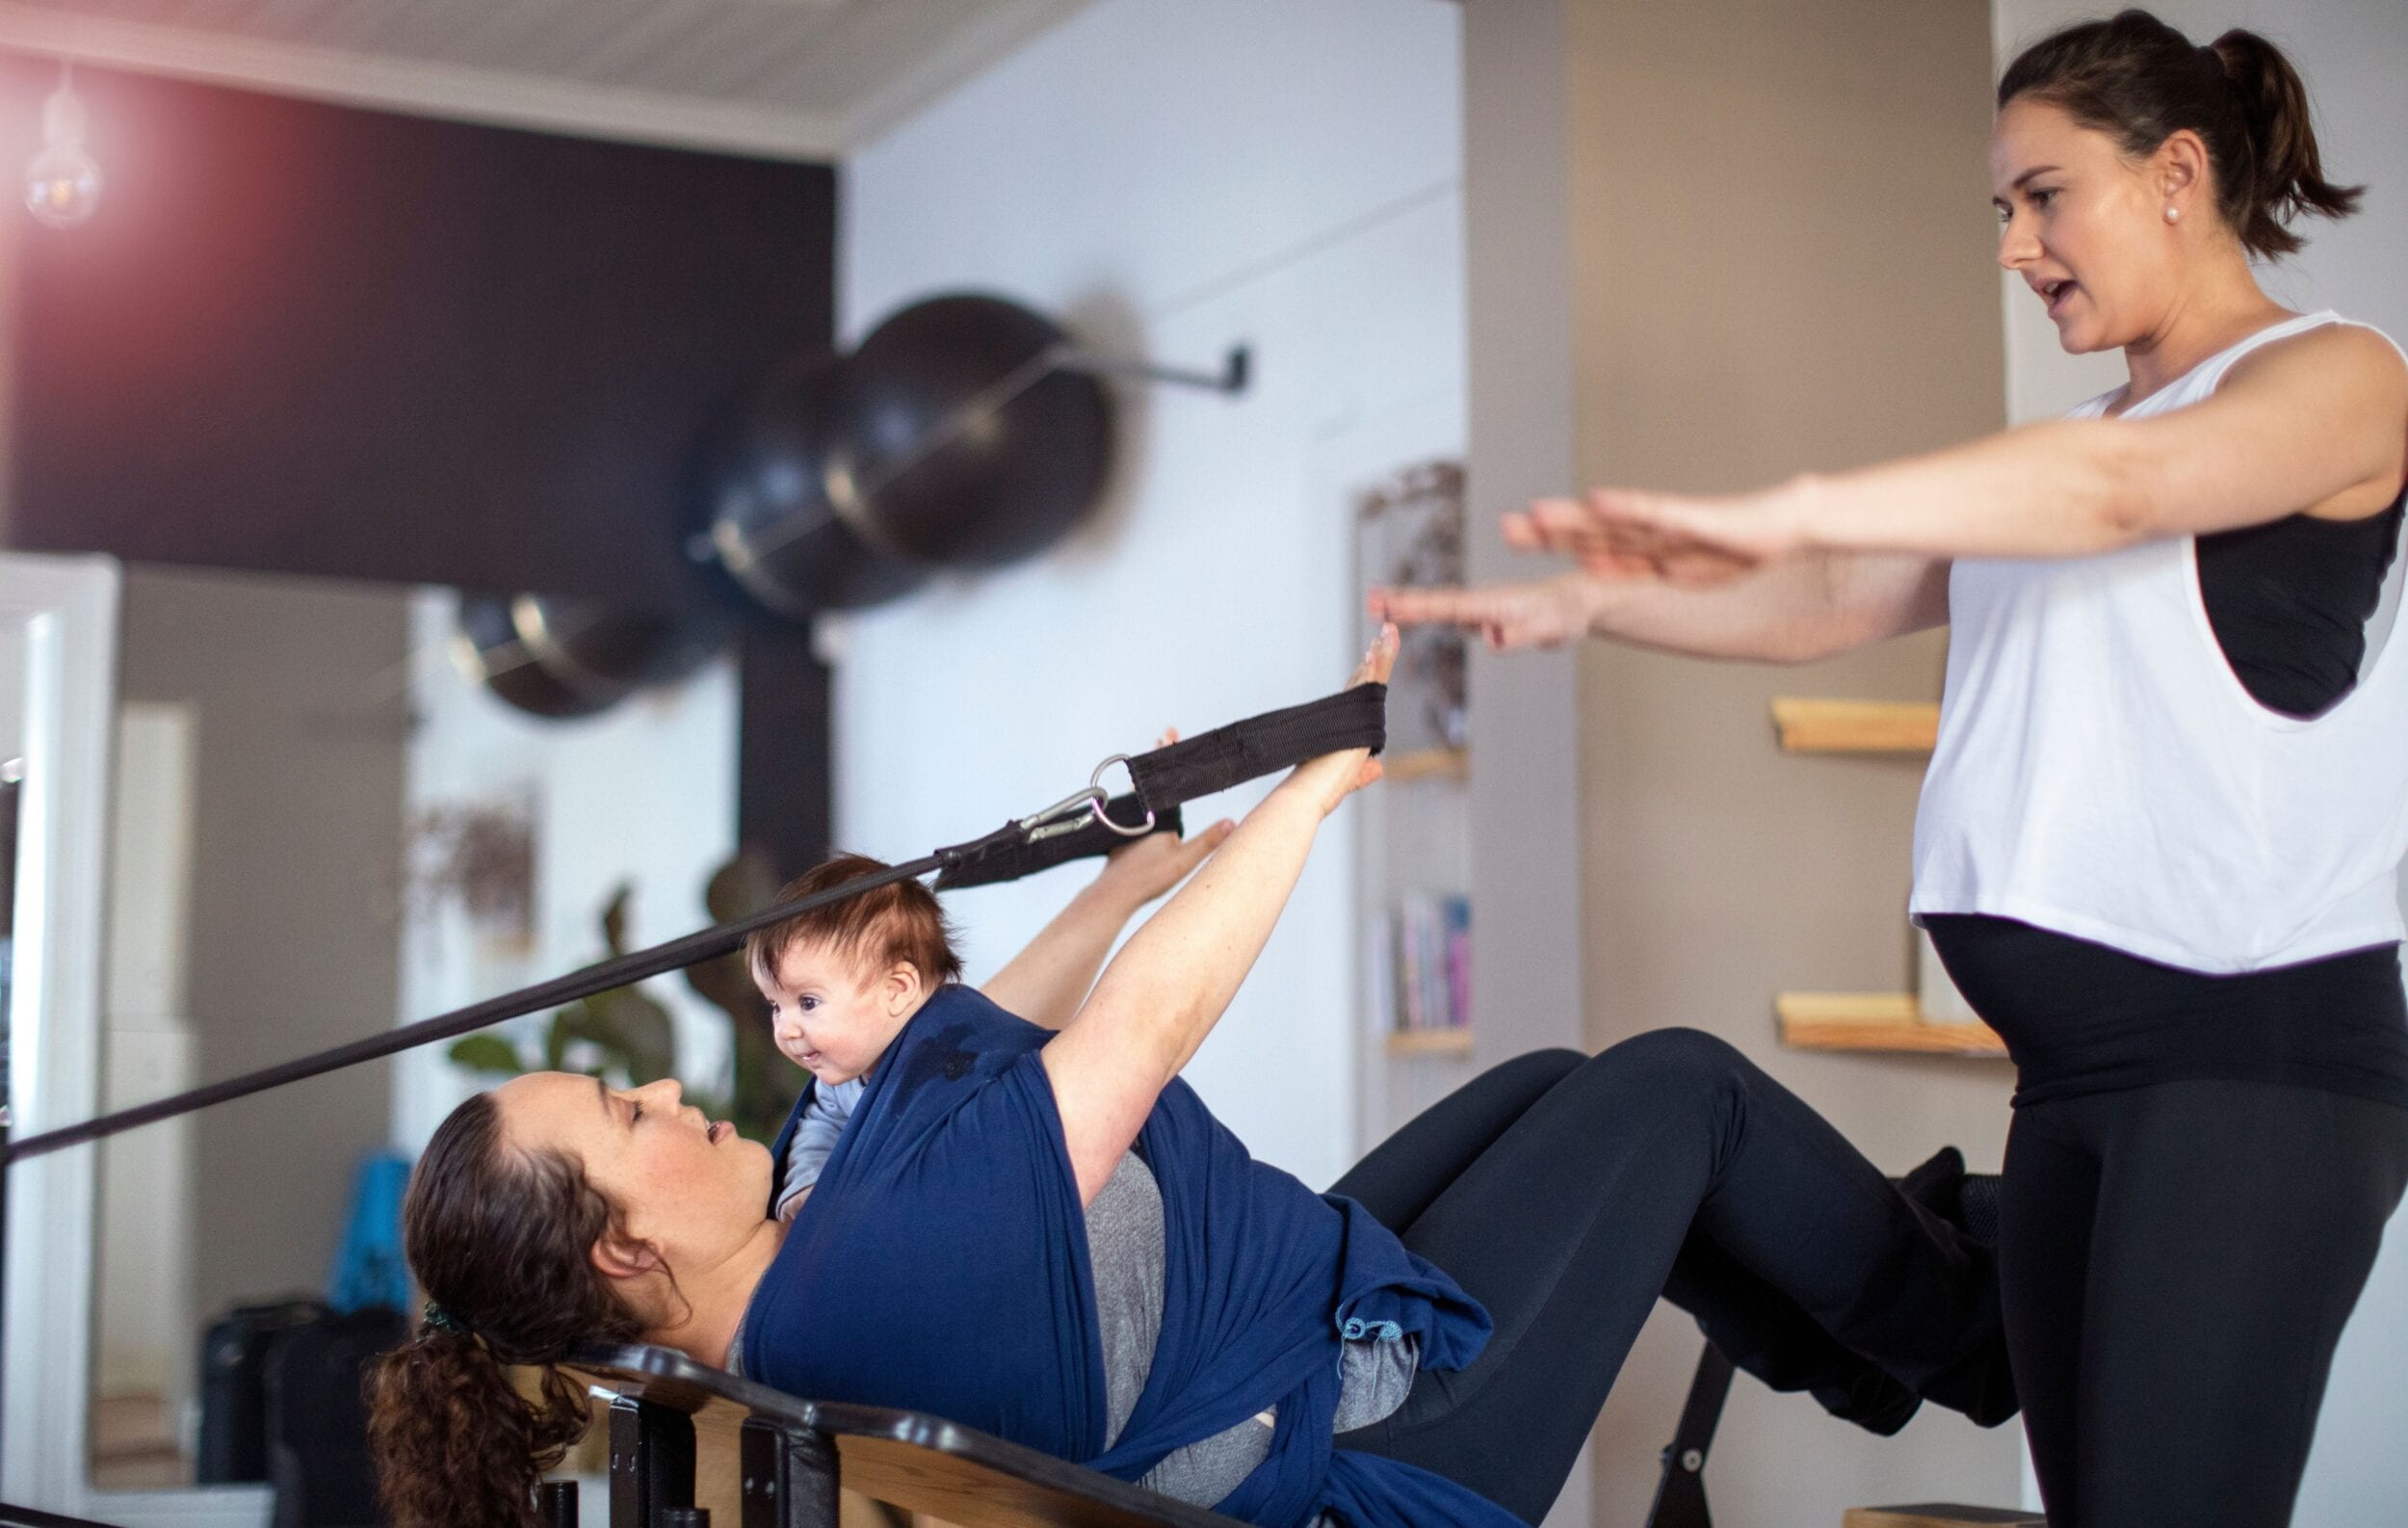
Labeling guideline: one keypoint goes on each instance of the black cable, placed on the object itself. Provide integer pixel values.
(1216, 760)
(691, 950)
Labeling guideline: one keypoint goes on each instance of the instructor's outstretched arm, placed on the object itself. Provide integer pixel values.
(1170, 984)
(1793, 610)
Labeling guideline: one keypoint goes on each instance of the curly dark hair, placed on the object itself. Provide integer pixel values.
(2140, 80)
(501, 1240)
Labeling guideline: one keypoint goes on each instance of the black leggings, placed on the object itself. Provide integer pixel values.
(1566, 1192)
(2177, 1262)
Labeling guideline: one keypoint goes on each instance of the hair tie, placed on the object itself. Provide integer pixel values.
(442, 1320)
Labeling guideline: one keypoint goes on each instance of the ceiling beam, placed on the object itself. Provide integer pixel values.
(458, 92)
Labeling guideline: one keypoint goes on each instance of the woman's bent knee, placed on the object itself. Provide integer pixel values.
(1678, 1049)
(1532, 1072)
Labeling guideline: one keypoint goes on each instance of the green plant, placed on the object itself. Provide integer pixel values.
(621, 1032)
(766, 1083)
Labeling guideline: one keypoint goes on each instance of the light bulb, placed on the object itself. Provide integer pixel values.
(61, 181)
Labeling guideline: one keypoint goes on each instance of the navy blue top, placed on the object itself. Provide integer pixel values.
(941, 1265)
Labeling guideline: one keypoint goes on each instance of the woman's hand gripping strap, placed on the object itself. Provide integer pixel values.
(1165, 778)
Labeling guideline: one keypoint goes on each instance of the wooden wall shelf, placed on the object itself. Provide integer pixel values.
(1428, 763)
(1431, 1042)
(1878, 1022)
(1809, 726)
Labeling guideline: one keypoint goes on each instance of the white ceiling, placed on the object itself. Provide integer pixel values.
(793, 78)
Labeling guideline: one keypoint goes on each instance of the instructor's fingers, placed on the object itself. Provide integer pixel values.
(1550, 526)
(1420, 607)
(1568, 525)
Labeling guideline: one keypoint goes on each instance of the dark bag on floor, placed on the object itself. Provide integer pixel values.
(233, 1445)
(317, 1457)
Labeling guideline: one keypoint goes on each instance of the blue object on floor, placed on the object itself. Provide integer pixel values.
(368, 1266)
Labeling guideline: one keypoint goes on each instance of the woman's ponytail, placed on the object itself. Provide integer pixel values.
(502, 1240)
(455, 1440)
(2288, 173)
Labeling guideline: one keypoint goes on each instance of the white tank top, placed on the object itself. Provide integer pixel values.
(2101, 772)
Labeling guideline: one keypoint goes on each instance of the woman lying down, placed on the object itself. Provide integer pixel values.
(1026, 1222)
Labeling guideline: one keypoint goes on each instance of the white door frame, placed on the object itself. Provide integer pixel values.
(66, 609)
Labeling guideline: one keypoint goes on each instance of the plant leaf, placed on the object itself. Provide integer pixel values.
(487, 1053)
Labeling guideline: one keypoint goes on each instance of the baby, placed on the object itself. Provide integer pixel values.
(843, 980)
(840, 982)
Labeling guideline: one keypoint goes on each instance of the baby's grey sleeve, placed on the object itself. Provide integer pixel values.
(815, 1137)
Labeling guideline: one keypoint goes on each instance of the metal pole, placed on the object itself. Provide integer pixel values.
(1235, 370)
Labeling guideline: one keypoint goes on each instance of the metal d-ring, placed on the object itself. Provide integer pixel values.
(1095, 800)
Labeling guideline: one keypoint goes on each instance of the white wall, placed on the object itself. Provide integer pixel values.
(1169, 179)
(2353, 54)
(645, 792)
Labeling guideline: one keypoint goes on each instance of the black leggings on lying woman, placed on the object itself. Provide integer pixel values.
(1668, 1164)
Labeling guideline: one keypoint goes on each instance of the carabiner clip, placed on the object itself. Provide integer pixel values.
(1064, 816)
(1096, 798)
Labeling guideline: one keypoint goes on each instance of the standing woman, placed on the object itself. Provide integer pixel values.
(2158, 840)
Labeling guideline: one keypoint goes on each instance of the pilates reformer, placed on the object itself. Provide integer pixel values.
(794, 1454)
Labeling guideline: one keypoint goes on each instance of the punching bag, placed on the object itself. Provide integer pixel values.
(559, 658)
(962, 437)
(956, 436)
(765, 510)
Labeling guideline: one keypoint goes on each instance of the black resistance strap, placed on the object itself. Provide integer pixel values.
(1167, 776)
(1242, 750)
(1198, 766)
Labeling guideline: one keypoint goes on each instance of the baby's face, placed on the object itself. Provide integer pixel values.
(834, 1015)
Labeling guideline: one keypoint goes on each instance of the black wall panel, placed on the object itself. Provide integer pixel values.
(308, 338)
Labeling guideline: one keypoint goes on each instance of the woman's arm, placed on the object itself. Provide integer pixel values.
(2315, 424)
(1172, 982)
(1792, 611)
(1045, 982)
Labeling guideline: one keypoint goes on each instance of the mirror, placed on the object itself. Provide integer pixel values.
(320, 826)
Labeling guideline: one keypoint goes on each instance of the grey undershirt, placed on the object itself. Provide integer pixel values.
(1125, 1249)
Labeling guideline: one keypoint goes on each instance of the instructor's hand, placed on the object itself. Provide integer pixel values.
(1545, 613)
(1676, 538)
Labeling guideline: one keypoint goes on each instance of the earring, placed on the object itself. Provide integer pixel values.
(2173, 214)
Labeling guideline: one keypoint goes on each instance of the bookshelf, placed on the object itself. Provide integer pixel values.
(1891, 1022)
(1428, 763)
(1813, 725)
(1933, 1020)
(1414, 856)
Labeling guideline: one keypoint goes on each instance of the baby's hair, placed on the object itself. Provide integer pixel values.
(899, 921)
